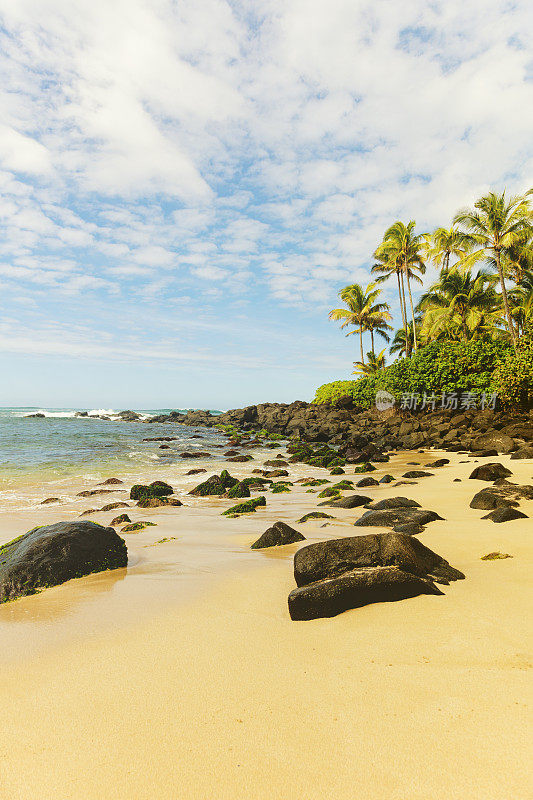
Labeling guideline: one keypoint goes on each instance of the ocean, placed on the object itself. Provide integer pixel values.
(62, 445)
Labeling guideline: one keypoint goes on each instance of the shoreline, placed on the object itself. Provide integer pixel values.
(184, 675)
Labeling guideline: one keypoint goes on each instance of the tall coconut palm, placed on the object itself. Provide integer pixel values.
(362, 310)
(400, 344)
(443, 244)
(521, 301)
(460, 305)
(386, 266)
(378, 323)
(403, 248)
(492, 227)
(519, 258)
(374, 364)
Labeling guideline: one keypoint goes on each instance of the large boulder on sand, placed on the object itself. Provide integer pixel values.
(505, 514)
(329, 559)
(524, 452)
(389, 517)
(351, 501)
(490, 472)
(393, 502)
(52, 554)
(277, 535)
(354, 589)
(494, 440)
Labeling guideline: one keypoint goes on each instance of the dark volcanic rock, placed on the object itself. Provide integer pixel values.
(386, 479)
(393, 502)
(215, 485)
(505, 514)
(155, 502)
(278, 534)
(490, 472)
(329, 559)
(367, 482)
(50, 500)
(154, 489)
(240, 459)
(196, 471)
(417, 473)
(52, 554)
(354, 589)
(120, 520)
(419, 516)
(112, 506)
(494, 440)
(409, 528)
(350, 501)
(111, 482)
(490, 498)
(440, 462)
(523, 452)
(91, 492)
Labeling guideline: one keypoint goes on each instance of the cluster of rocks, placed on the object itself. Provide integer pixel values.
(340, 574)
(344, 424)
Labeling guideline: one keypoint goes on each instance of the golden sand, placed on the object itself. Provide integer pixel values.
(183, 676)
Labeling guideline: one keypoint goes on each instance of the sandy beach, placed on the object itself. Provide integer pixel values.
(183, 676)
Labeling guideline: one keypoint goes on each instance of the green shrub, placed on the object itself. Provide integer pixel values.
(442, 366)
(513, 378)
(331, 392)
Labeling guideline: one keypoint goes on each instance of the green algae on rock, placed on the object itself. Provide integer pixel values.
(246, 508)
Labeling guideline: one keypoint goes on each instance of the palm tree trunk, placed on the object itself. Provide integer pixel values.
(506, 300)
(372, 340)
(404, 316)
(400, 296)
(361, 343)
(415, 343)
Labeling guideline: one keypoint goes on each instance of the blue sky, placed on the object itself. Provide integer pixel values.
(185, 186)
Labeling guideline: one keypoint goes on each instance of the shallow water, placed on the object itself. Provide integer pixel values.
(61, 446)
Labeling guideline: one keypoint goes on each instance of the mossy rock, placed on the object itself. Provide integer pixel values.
(215, 485)
(120, 520)
(329, 491)
(337, 471)
(278, 488)
(315, 515)
(240, 489)
(246, 508)
(316, 482)
(155, 489)
(364, 468)
(136, 526)
(495, 556)
(343, 486)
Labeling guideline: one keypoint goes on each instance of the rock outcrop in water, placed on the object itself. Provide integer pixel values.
(52, 554)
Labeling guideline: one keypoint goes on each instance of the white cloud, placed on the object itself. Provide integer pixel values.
(152, 148)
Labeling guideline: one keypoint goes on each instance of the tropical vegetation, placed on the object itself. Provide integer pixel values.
(471, 327)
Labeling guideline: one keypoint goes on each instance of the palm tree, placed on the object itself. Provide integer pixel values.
(377, 323)
(491, 228)
(460, 305)
(362, 312)
(374, 364)
(402, 248)
(386, 265)
(400, 344)
(444, 243)
(519, 258)
(521, 301)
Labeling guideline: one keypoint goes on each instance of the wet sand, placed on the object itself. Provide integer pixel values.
(183, 675)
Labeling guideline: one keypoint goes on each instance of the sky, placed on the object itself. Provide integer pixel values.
(185, 185)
